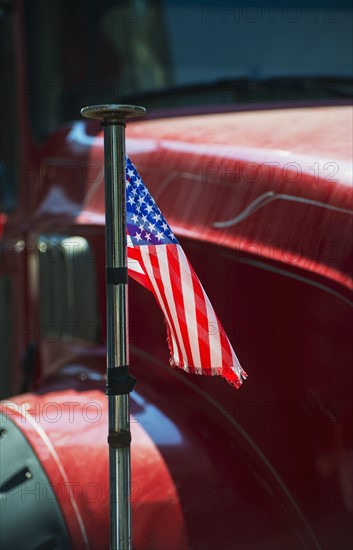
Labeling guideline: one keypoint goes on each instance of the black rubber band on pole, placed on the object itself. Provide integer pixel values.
(119, 440)
(116, 275)
(119, 381)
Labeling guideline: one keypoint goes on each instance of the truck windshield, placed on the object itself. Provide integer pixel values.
(167, 53)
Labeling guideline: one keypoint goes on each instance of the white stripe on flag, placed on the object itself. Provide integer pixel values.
(189, 301)
(161, 251)
(149, 270)
(214, 335)
(133, 264)
(175, 353)
(236, 365)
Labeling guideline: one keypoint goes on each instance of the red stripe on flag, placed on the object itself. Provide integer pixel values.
(157, 277)
(175, 278)
(146, 280)
(226, 349)
(202, 322)
(134, 255)
(228, 361)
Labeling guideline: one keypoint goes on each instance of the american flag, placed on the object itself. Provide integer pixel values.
(197, 341)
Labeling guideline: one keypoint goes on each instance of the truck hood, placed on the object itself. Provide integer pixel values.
(275, 184)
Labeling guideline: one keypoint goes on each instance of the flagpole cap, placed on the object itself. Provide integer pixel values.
(112, 112)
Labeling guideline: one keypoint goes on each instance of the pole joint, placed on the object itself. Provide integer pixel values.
(116, 275)
(119, 381)
(119, 439)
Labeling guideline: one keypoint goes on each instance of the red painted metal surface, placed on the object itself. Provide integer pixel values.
(67, 430)
(262, 203)
(275, 184)
(3, 219)
(253, 198)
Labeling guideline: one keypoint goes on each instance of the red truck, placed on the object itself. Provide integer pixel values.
(247, 149)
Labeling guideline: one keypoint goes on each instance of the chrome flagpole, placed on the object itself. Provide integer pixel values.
(119, 382)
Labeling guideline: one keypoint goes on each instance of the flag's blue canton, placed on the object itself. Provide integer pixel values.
(145, 223)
